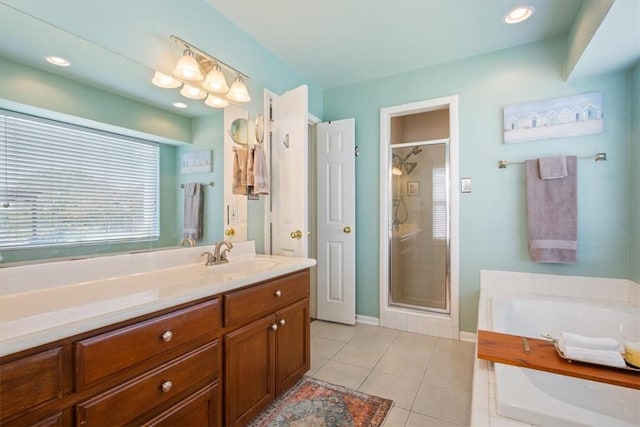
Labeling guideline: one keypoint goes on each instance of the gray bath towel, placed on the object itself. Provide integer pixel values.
(553, 167)
(552, 212)
(193, 210)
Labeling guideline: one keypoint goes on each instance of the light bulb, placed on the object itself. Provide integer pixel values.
(238, 91)
(56, 60)
(187, 67)
(192, 92)
(519, 14)
(215, 81)
(164, 81)
(215, 102)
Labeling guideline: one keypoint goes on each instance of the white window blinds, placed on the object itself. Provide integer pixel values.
(62, 185)
(439, 203)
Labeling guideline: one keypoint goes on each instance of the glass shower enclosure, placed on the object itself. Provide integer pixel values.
(419, 243)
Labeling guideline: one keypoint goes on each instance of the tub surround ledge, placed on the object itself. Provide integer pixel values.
(592, 289)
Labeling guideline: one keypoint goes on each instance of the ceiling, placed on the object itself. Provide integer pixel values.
(342, 42)
(117, 44)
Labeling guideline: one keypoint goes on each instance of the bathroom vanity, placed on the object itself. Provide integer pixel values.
(216, 359)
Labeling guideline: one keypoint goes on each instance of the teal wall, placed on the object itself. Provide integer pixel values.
(492, 218)
(634, 158)
(207, 135)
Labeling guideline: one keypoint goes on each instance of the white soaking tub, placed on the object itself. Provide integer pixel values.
(546, 399)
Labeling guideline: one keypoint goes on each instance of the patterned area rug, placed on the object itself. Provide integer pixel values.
(315, 403)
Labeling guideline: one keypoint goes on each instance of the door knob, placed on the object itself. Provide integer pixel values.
(347, 230)
(229, 232)
(296, 234)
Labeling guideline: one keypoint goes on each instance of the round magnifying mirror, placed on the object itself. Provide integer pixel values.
(259, 128)
(239, 131)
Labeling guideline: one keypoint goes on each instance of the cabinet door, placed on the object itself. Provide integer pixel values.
(292, 346)
(249, 370)
(198, 410)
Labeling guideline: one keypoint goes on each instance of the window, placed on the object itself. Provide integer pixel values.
(439, 203)
(62, 184)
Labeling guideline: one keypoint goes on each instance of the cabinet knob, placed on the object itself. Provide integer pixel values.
(278, 293)
(166, 337)
(166, 386)
(274, 327)
(282, 322)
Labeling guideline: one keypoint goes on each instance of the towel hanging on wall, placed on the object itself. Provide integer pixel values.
(239, 185)
(193, 211)
(260, 173)
(552, 210)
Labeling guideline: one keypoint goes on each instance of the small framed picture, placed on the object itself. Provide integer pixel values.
(413, 188)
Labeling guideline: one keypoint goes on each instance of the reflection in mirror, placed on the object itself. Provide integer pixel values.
(239, 131)
(259, 128)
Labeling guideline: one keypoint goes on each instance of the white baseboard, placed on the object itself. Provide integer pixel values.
(367, 320)
(467, 336)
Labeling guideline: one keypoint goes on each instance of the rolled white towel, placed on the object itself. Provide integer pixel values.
(575, 340)
(601, 357)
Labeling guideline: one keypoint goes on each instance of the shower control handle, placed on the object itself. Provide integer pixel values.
(347, 230)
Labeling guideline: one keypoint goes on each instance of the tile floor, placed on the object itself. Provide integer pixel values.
(428, 378)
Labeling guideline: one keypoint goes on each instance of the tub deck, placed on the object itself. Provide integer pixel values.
(542, 356)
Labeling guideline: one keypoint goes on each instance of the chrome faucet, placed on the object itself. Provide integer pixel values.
(211, 258)
(221, 257)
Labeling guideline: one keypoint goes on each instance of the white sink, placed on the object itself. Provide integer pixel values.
(240, 267)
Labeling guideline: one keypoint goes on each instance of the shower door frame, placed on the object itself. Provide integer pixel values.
(401, 317)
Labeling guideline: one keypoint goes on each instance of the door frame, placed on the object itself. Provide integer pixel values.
(437, 324)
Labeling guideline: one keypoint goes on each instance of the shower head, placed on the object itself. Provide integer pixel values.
(416, 150)
(409, 166)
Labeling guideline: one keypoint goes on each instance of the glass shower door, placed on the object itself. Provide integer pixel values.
(419, 228)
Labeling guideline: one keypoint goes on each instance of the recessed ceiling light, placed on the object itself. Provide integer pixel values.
(519, 14)
(56, 60)
(180, 105)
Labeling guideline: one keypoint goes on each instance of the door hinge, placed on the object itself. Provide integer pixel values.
(357, 151)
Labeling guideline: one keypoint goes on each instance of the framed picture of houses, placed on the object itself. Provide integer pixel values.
(554, 118)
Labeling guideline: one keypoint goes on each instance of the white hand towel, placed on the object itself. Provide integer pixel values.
(260, 173)
(601, 357)
(575, 340)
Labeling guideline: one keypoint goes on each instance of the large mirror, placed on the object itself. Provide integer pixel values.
(84, 91)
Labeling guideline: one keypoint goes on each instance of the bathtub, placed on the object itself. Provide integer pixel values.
(546, 399)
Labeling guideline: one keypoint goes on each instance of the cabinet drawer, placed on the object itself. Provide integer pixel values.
(105, 354)
(26, 382)
(201, 409)
(267, 297)
(124, 403)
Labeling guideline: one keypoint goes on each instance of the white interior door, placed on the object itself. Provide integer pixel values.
(336, 221)
(289, 191)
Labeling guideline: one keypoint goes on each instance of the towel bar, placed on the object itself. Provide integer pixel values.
(598, 157)
(211, 184)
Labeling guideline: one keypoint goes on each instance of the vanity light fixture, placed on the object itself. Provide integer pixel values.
(215, 102)
(215, 81)
(238, 91)
(192, 92)
(190, 71)
(519, 14)
(56, 60)
(165, 81)
(187, 67)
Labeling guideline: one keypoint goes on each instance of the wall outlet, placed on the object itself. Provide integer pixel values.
(465, 185)
(233, 215)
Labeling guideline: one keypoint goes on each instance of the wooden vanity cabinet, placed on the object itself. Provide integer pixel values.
(266, 356)
(166, 369)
